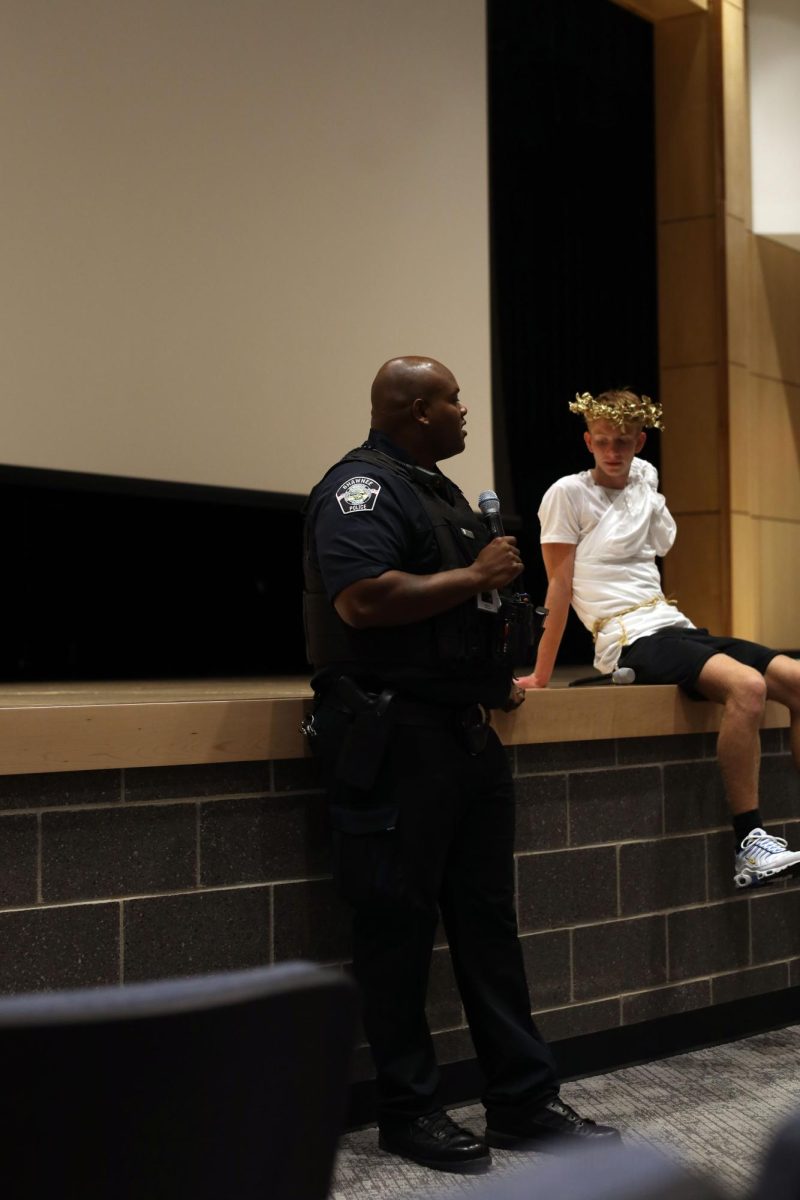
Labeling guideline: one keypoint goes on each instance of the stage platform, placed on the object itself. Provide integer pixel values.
(93, 726)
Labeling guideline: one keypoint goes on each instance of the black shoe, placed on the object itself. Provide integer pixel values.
(550, 1126)
(433, 1140)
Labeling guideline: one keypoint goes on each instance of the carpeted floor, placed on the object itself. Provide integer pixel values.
(715, 1110)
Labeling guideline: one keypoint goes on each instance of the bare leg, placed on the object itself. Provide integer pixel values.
(783, 684)
(743, 692)
(761, 857)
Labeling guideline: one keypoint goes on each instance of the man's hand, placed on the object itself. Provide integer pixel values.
(531, 682)
(497, 564)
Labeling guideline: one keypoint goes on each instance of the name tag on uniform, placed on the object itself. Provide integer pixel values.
(468, 533)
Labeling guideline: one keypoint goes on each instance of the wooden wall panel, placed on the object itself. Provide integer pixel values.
(693, 570)
(684, 133)
(737, 262)
(775, 449)
(779, 583)
(687, 269)
(691, 293)
(745, 567)
(745, 574)
(736, 132)
(690, 474)
(776, 311)
(741, 416)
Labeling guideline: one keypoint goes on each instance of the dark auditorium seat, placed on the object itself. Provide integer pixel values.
(780, 1174)
(613, 1173)
(228, 1086)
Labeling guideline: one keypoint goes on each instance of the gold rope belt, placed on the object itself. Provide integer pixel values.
(601, 622)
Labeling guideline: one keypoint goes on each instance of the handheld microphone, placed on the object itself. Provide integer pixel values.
(622, 675)
(489, 505)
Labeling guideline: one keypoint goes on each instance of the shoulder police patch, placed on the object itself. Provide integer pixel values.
(358, 494)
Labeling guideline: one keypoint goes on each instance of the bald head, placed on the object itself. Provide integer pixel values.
(409, 396)
(400, 382)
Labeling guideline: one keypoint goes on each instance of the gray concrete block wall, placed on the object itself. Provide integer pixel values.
(624, 872)
(120, 876)
(641, 888)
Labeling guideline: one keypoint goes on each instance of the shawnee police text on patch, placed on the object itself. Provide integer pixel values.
(358, 494)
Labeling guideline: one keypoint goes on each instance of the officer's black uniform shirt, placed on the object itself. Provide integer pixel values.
(388, 531)
(367, 520)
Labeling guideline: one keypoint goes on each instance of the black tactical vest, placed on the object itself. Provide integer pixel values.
(459, 643)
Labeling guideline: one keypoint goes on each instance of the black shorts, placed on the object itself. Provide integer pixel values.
(675, 655)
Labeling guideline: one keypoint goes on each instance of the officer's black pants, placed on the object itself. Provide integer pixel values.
(441, 840)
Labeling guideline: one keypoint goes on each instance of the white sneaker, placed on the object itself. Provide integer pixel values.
(760, 857)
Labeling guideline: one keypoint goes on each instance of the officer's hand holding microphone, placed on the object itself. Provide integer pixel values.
(498, 564)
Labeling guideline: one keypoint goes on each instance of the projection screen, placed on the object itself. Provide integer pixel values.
(221, 216)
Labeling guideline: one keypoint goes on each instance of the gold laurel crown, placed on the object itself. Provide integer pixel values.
(623, 411)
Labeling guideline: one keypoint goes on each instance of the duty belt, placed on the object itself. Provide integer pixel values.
(375, 713)
(347, 696)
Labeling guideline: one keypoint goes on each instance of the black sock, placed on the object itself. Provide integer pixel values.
(744, 823)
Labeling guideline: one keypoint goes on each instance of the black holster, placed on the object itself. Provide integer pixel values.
(367, 735)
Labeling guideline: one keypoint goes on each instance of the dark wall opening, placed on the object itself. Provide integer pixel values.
(115, 579)
(573, 237)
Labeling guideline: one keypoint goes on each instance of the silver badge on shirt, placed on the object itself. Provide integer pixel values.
(358, 494)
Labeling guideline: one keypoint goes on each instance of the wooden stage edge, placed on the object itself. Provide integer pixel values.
(97, 726)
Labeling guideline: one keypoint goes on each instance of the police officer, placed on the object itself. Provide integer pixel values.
(403, 632)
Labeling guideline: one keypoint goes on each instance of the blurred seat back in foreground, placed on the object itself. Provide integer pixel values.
(780, 1173)
(609, 1173)
(229, 1086)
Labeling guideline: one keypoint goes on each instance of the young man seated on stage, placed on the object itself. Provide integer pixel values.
(601, 532)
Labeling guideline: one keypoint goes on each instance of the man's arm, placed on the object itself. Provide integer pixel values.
(400, 598)
(559, 561)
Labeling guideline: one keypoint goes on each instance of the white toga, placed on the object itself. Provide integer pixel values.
(618, 534)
